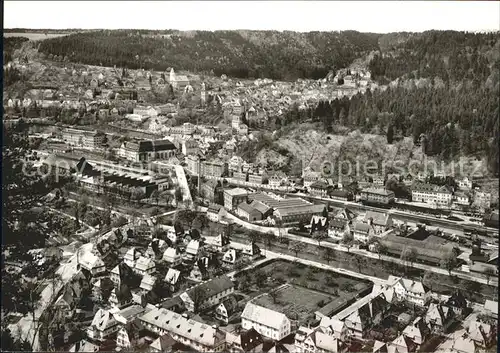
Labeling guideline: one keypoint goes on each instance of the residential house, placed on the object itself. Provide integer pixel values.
(240, 176)
(362, 231)
(92, 263)
(103, 325)
(438, 196)
(277, 179)
(145, 111)
(318, 223)
(213, 168)
(481, 333)
(163, 344)
(491, 308)
(83, 138)
(319, 188)
(458, 303)
(172, 278)
(310, 177)
(121, 296)
(199, 272)
(145, 266)
(65, 305)
(249, 341)
(317, 341)
(379, 347)
(233, 197)
(257, 178)
(121, 273)
(147, 283)
(192, 249)
(337, 228)
(102, 288)
(402, 344)
(418, 331)
(341, 195)
(221, 243)
(251, 249)
(207, 294)
(409, 290)
(172, 256)
(267, 322)
(189, 147)
(378, 221)
(461, 198)
(372, 195)
(128, 336)
(191, 333)
(226, 310)
(156, 248)
(230, 257)
(84, 346)
(215, 212)
(131, 257)
(335, 328)
(464, 344)
(464, 183)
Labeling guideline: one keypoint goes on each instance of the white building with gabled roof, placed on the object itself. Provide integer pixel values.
(267, 322)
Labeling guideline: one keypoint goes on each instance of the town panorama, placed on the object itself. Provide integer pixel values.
(250, 191)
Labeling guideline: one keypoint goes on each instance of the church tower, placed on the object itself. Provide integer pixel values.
(172, 77)
(203, 94)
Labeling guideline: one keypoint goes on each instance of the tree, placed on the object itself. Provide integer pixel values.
(489, 272)
(360, 262)
(409, 255)
(178, 194)
(198, 296)
(382, 249)
(449, 262)
(244, 282)
(119, 222)
(137, 194)
(155, 196)
(269, 240)
(260, 277)
(275, 295)
(348, 240)
(185, 217)
(166, 197)
(320, 236)
(328, 254)
(254, 236)
(390, 134)
(295, 247)
(154, 212)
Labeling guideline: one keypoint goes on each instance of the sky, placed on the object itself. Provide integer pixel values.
(302, 16)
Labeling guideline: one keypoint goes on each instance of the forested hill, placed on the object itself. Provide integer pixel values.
(244, 54)
(452, 56)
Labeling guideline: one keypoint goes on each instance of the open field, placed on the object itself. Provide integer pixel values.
(34, 36)
(293, 300)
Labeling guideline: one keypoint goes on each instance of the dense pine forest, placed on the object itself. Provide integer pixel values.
(243, 54)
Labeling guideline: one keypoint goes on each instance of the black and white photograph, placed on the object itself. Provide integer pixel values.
(250, 176)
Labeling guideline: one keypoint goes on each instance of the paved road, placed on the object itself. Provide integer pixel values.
(284, 232)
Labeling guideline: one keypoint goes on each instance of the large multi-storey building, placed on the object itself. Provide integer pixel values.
(199, 336)
(438, 196)
(233, 197)
(377, 195)
(213, 168)
(144, 151)
(267, 322)
(83, 138)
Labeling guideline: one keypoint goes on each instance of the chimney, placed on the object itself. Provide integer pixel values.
(185, 315)
(215, 327)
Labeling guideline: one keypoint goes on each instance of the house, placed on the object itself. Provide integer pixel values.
(481, 333)
(172, 278)
(464, 344)
(208, 294)
(121, 273)
(373, 195)
(337, 228)
(103, 325)
(248, 212)
(163, 344)
(334, 327)
(379, 347)
(461, 198)
(439, 318)
(131, 257)
(251, 250)
(233, 197)
(156, 248)
(84, 346)
(145, 111)
(458, 303)
(491, 308)
(247, 341)
(438, 196)
(277, 179)
(212, 191)
(267, 322)
(172, 256)
(464, 183)
(318, 223)
(213, 168)
(147, 283)
(189, 147)
(229, 257)
(319, 188)
(221, 243)
(362, 232)
(226, 310)
(192, 249)
(379, 222)
(128, 336)
(101, 289)
(409, 290)
(341, 195)
(199, 272)
(65, 305)
(318, 342)
(402, 344)
(121, 296)
(145, 266)
(92, 263)
(189, 332)
(214, 212)
(257, 178)
(418, 331)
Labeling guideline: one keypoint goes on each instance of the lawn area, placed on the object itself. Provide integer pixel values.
(294, 301)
